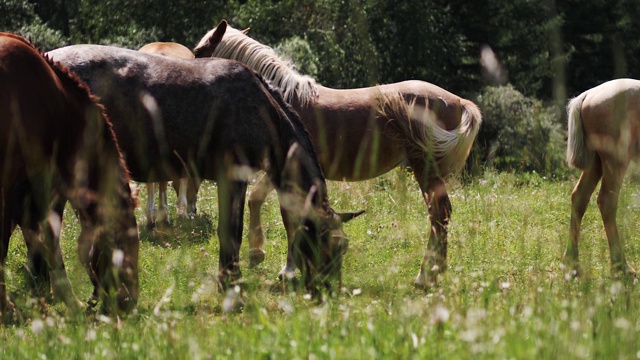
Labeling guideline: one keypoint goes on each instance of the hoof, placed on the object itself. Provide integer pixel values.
(572, 271)
(624, 271)
(256, 256)
(424, 282)
(287, 275)
(151, 225)
(233, 301)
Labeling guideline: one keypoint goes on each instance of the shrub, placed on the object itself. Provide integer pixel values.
(519, 134)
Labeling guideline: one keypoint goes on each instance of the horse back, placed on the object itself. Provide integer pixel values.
(170, 112)
(169, 49)
(33, 101)
(611, 118)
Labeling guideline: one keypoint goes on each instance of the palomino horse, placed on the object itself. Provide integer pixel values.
(363, 133)
(604, 133)
(185, 190)
(220, 120)
(57, 145)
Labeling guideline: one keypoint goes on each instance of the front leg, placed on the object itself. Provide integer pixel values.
(231, 197)
(288, 271)
(59, 279)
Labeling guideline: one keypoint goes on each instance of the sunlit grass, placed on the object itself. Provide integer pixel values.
(504, 294)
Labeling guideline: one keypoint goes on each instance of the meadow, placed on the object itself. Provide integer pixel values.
(504, 295)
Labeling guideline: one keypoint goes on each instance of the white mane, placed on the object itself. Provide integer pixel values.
(261, 58)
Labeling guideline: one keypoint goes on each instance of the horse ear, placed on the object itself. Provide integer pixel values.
(217, 35)
(346, 216)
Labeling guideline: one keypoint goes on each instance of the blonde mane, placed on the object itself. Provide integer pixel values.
(261, 58)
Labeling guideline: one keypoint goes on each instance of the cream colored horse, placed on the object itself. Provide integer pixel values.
(363, 133)
(604, 128)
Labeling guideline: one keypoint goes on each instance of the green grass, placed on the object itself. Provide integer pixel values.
(504, 294)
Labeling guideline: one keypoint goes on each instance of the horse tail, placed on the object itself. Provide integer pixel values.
(450, 149)
(578, 155)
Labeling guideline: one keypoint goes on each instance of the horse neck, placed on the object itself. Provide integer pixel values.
(264, 60)
(310, 173)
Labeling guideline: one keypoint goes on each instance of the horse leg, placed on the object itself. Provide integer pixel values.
(288, 271)
(259, 193)
(579, 201)
(435, 195)
(231, 197)
(162, 217)
(181, 190)
(151, 205)
(612, 176)
(6, 228)
(60, 283)
(193, 185)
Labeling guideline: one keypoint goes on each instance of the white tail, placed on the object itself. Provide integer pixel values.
(449, 148)
(578, 155)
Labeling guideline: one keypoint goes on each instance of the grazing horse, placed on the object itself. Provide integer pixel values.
(56, 145)
(604, 133)
(363, 133)
(222, 122)
(186, 190)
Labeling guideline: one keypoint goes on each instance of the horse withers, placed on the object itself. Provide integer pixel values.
(603, 138)
(363, 133)
(223, 122)
(186, 188)
(57, 145)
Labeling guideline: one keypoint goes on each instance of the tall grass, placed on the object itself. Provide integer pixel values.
(504, 294)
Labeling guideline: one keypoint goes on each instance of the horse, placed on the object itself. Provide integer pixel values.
(186, 190)
(363, 133)
(56, 144)
(603, 138)
(216, 119)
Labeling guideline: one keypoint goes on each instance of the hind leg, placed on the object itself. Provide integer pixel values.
(612, 176)
(579, 201)
(435, 195)
(259, 193)
(151, 205)
(6, 228)
(162, 216)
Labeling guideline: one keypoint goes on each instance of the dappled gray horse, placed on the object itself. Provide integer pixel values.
(215, 119)
(186, 189)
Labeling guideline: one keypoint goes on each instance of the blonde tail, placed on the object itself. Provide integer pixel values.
(450, 149)
(578, 155)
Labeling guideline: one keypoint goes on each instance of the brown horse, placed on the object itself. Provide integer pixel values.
(186, 190)
(363, 133)
(604, 133)
(220, 121)
(55, 145)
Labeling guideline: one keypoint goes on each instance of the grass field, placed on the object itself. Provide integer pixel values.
(504, 294)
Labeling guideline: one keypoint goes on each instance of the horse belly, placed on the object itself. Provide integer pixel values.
(353, 149)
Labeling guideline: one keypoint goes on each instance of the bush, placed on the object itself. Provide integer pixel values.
(519, 134)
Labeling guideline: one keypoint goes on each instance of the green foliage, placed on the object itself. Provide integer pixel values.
(299, 51)
(518, 134)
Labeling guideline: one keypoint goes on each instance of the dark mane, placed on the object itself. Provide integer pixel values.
(305, 138)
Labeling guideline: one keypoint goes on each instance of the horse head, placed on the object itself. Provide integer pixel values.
(207, 45)
(319, 243)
